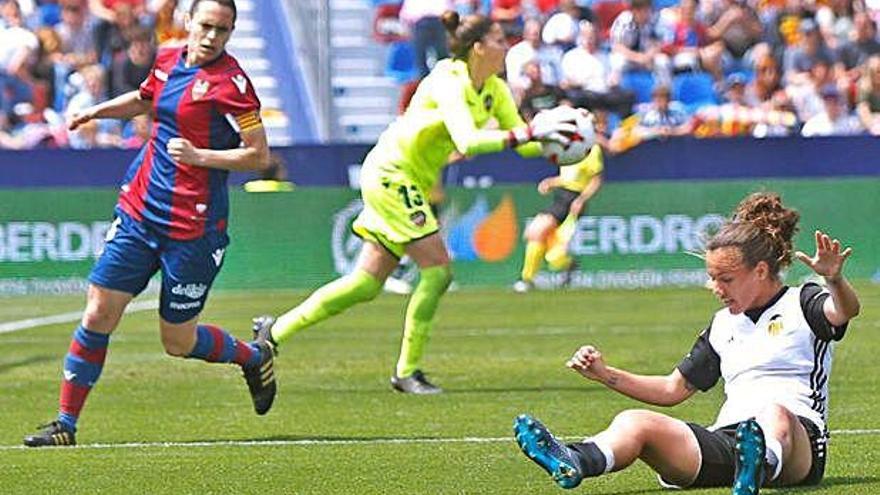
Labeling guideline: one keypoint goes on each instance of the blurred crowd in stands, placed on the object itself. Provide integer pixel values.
(654, 69)
(60, 56)
(649, 69)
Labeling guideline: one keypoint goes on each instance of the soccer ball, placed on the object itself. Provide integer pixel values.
(581, 142)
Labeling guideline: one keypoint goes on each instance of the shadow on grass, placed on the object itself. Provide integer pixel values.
(498, 390)
(4, 367)
(831, 482)
(827, 483)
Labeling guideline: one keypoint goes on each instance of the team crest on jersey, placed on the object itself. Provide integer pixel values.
(487, 102)
(774, 328)
(240, 82)
(199, 89)
(418, 218)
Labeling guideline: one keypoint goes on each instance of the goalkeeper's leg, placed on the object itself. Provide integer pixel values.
(363, 284)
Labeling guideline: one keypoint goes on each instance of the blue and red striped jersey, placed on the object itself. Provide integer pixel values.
(209, 105)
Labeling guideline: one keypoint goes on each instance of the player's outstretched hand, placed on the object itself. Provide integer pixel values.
(552, 131)
(588, 361)
(79, 118)
(182, 151)
(829, 259)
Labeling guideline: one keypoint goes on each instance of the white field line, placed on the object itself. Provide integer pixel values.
(320, 442)
(15, 326)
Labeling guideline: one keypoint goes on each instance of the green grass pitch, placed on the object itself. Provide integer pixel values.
(155, 424)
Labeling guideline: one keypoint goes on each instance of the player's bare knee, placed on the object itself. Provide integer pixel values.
(778, 421)
(633, 421)
(97, 315)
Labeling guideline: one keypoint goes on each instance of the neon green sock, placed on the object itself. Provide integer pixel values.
(532, 262)
(333, 298)
(420, 317)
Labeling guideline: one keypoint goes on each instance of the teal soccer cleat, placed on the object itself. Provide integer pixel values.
(545, 450)
(750, 451)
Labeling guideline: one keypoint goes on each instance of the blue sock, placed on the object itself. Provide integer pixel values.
(82, 368)
(215, 345)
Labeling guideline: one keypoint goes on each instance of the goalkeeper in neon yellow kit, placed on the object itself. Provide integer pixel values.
(446, 115)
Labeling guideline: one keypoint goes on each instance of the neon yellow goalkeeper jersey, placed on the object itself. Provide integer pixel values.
(448, 114)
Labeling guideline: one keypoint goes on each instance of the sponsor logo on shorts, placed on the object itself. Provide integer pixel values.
(418, 218)
(192, 291)
(184, 306)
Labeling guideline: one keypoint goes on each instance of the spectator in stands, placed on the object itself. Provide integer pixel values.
(91, 92)
(810, 50)
(561, 29)
(636, 43)
(585, 76)
(139, 132)
(836, 22)
(422, 17)
(805, 94)
(18, 51)
(531, 48)
(868, 100)
(509, 14)
(664, 118)
(538, 96)
(855, 52)
(738, 27)
(127, 73)
(169, 21)
(76, 32)
(689, 47)
(111, 38)
(43, 70)
(835, 119)
(766, 94)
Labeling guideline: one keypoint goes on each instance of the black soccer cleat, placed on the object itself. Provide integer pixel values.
(417, 383)
(260, 379)
(53, 434)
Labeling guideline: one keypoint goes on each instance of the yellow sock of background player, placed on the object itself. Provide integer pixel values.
(557, 245)
(534, 257)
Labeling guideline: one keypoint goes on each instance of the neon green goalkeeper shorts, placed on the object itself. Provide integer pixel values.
(396, 210)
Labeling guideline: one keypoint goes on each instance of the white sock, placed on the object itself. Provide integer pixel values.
(774, 456)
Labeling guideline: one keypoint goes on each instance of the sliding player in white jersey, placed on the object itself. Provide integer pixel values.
(772, 346)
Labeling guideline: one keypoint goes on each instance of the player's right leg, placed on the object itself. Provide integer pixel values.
(669, 446)
(363, 284)
(536, 235)
(123, 270)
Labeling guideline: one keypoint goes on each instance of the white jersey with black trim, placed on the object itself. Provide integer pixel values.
(777, 358)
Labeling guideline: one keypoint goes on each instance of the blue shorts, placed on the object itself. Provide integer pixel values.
(133, 253)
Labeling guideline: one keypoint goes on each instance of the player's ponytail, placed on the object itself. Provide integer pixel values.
(464, 31)
(762, 228)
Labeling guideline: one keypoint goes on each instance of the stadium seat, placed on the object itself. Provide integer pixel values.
(639, 82)
(401, 63)
(662, 4)
(694, 90)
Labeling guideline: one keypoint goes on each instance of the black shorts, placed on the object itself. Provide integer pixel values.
(562, 200)
(719, 458)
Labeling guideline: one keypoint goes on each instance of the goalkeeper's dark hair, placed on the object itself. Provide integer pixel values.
(762, 228)
(230, 4)
(464, 31)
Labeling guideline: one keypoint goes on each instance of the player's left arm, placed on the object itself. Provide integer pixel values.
(253, 154)
(843, 305)
(592, 187)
